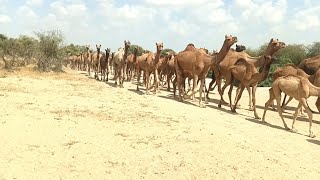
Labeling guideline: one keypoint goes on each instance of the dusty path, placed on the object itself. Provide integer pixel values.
(70, 126)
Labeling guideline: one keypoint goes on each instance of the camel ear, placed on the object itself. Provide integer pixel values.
(226, 36)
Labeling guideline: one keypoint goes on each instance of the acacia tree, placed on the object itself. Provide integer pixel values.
(50, 54)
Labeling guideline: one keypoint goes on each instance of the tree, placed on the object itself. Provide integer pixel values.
(314, 49)
(294, 52)
(164, 52)
(50, 51)
(140, 49)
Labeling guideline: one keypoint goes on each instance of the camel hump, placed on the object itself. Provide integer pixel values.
(291, 65)
(242, 62)
(190, 47)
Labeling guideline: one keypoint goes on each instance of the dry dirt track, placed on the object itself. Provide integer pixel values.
(69, 126)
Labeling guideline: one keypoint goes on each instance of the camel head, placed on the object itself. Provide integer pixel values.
(127, 44)
(87, 47)
(240, 48)
(230, 40)
(204, 50)
(135, 50)
(276, 44)
(107, 50)
(159, 47)
(98, 47)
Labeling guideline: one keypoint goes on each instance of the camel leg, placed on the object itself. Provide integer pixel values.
(222, 101)
(304, 104)
(254, 89)
(295, 117)
(250, 98)
(279, 109)
(122, 75)
(202, 82)
(239, 96)
(168, 82)
(156, 81)
(138, 77)
(210, 87)
(230, 93)
(179, 82)
(267, 104)
(195, 85)
(147, 74)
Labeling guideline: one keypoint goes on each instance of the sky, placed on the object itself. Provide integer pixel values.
(176, 23)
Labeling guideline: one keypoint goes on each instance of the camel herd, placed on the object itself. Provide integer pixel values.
(232, 65)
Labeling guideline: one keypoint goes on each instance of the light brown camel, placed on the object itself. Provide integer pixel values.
(247, 74)
(131, 64)
(198, 64)
(223, 69)
(149, 62)
(167, 69)
(87, 58)
(310, 65)
(104, 69)
(96, 60)
(297, 87)
(119, 62)
(239, 48)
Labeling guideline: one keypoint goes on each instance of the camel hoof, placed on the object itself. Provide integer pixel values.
(264, 121)
(250, 108)
(202, 105)
(312, 135)
(219, 105)
(286, 127)
(233, 110)
(257, 117)
(206, 102)
(294, 130)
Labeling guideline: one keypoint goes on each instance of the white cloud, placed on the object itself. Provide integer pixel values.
(306, 19)
(34, 2)
(4, 19)
(270, 12)
(26, 12)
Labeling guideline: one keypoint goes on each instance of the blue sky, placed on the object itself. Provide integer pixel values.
(173, 22)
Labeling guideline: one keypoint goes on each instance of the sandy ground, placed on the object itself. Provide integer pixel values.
(70, 126)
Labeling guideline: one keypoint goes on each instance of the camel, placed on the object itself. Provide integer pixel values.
(310, 65)
(131, 61)
(149, 62)
(104, 69)
(224, 68)
(248, 75)
(297, 87)
(198, 64)
(87, 58)
(119, 63)
(95, 59)
(167, 69)
(239, 48)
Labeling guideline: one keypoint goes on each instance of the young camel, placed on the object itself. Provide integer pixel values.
(149, 63)
(297, 87)
(224, 70)
(198, 64)
(104, 69)
(239, 48)
(248, 75)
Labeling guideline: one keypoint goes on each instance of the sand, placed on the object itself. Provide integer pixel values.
(70, 126)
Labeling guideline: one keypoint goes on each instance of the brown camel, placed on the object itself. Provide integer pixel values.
(248, 75)
(104, 69)
(119, 62)
(228, 62)
(167, 69)
(87, 58)
(149, 62)
(131, 64)
(297, 87)
(239, 48)
(96, 60)
(310, 65)
(198, 64)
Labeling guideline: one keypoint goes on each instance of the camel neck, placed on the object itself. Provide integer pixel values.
(314, 91)
(264, 74)
(157, 56)
(223, 52)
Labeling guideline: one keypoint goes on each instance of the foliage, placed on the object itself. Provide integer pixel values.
(50, 54)
(140, 49)
(72, 49)
(295, 53)
(314, 49)
(164, 51)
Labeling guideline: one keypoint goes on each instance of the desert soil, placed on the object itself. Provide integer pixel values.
(70, 126)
